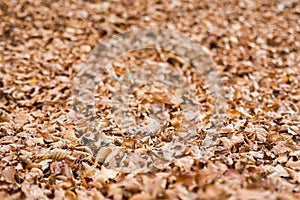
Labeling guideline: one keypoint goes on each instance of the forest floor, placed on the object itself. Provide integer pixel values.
(256, 46)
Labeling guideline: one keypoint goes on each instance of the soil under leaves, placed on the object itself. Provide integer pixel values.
(256, 47)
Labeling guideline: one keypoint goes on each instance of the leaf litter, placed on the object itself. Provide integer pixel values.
(255, 45)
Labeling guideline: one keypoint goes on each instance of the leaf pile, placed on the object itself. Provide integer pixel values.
(256, 46)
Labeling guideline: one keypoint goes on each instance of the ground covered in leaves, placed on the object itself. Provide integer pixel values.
(256, 47)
